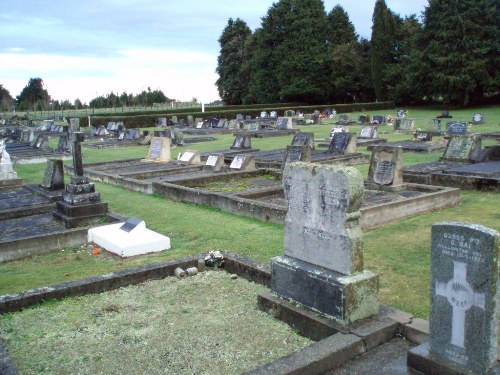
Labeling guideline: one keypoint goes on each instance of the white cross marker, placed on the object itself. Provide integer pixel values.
(461, 297)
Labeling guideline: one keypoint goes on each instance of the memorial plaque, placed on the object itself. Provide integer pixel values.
(199, 125)
(237, 162)
(212, 160)
(187, 156)
(456, 128)
(131, 224)
(155, 148)
(386, 166)
(241, 141)
(406, 124)
(384, 172)
(478, 118)
(339, 142)
(464, 295)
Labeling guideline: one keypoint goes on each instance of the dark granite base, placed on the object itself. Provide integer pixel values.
(420, 359)
(85, 214)
(343, 297)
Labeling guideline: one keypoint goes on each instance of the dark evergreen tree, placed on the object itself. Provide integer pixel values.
(232, 85)
(458, 51)
(398, 76)
(289, 62)
(33, 95)
(340, 28)
(382, 46)
(6, 100)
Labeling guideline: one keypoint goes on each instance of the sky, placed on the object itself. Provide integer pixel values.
(84, 49)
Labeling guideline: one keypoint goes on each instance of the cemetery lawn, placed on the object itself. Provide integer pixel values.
(203, 324)
(400, 253)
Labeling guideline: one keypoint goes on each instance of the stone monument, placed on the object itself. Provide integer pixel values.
(386, 168)
(81, 204)
(8, 177)
(464, 302)
(159, 150)
(53, 177)
(322, 267)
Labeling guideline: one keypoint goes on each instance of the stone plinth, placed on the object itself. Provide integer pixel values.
(386, 168)
(323, 263)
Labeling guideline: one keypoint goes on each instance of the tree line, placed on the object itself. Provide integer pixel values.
(300, 53)
(35, 97)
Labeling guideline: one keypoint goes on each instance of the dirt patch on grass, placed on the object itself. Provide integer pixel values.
(205, 324)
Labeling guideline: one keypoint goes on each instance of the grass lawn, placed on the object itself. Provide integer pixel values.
(400, 253)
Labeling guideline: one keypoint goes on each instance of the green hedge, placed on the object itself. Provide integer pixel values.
(149, 120)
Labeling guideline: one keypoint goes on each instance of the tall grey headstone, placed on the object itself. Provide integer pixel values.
(322, 267)
(464, 300)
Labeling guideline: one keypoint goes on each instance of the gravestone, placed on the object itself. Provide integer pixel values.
(161, 121)
(159, 150)
(368, 132)
(404, 124)
(386, 168)
(297, 153)
(264, 114)
(240, 117)
(53, 177)
(214, 162)
(303, 139)
(81, 204)
(64, 144)
(74, 125)
(284, 123)
(242, 163)
(364, 119)
(456, 128)
(322, 267)
(199, 125)
(189, 157)
(248, 118)
(253, 127)
(241, 142)
(221, 123)
(344, 120)
(273, 114)
(190, 120)
(423, 136)
(342, 143)
(232, 124)
(463, 322)
(174, 120)
(337, 129)
(289, 113)
(463, 148)
(110, 125)
(8, 177)
(477, 118)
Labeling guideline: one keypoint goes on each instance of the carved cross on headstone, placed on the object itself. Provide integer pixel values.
(461, 297)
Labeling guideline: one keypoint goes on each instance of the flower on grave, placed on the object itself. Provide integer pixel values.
(96, 251)
(214, 259)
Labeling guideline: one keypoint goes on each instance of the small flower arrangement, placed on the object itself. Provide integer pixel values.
(214, 259)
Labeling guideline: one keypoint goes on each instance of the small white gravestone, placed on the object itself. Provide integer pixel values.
(199, 125)
(214, 162)
(242, 162)
(189, 157)
(128, 239)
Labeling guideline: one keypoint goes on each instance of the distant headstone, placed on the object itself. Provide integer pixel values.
(297, 153)
(174, 120)
(386, 166)
(463, 148)
(465, 296)
(273, 114)
(289, 113)
(264, 114)
(6, 170)
(74, 125)
(364, 119)
(242, 141)
(378, 120)
(159, 149)
(344, 119)
(303, 139)
(221, 123)
(456, 128)
(240, 117)
(342, 143)
(199, 125)
(214, 162)
(477, 118)
(232, 124)
(110, 125)
(368, 132)
(242, 162)
(283, 123)
(322, 267)
(189, 157)
(337, 129)
(248, 118)
(423, 136)
(161, 122)
(404, 124)
(253, 127)
(190, 120)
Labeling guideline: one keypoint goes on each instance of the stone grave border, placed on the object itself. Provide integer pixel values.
(335, 344)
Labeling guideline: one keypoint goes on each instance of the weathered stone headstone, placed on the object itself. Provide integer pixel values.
(297, 153)
(242, 163)
(364, 119)
(221, 123)
(253, 127)
(367, 132)
(404, 124)
(342, 143)
(386, 167)
(303, 139)
(161, 121)
(464, 301)
(477, 118)
(463, 148)
(53, 177)
(8, 177)
(337, 129)
(159, 149)
(289, 113)
(344, 119)
(423, 136)
(284, 123)
(322, 267)
(456, 128)
(242, 141)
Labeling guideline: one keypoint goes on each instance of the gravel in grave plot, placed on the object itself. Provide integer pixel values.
(203, 324)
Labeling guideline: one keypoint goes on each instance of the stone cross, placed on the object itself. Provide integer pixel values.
(77, 153)
(461, 297)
